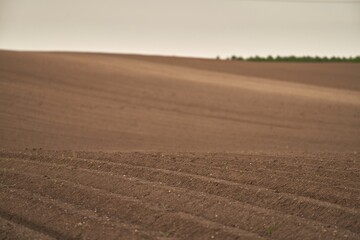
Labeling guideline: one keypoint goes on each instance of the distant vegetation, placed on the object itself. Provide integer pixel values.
(295, 59)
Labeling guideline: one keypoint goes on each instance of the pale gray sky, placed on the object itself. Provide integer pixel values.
(203, 28)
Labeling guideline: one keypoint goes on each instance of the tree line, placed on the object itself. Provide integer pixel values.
(270, 58)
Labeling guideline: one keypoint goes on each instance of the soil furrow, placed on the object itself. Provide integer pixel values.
(202, 203)
(9, 229)
(283, 202)
(244, 171)
(124, 208)
(218, 183)
(29, 223)
(266, 161)
(332, 162)
(57, 219)
(306, 191)
(235, 173)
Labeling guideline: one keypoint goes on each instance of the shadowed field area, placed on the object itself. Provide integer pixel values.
(146, 147)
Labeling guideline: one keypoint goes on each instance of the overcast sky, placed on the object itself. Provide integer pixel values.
(205, 28)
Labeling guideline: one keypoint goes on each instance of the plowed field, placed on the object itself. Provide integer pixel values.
(148, 196)
(101, 146)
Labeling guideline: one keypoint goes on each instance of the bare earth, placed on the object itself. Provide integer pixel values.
(100, 146)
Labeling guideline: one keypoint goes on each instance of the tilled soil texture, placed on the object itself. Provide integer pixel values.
(84, 195)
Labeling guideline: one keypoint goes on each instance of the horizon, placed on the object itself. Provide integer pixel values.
(200, 29)
(183, 56)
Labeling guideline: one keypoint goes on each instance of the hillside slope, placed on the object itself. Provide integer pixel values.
(124, 102)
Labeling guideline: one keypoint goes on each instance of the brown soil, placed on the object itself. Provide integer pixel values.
(192, 148)
(55, 194)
